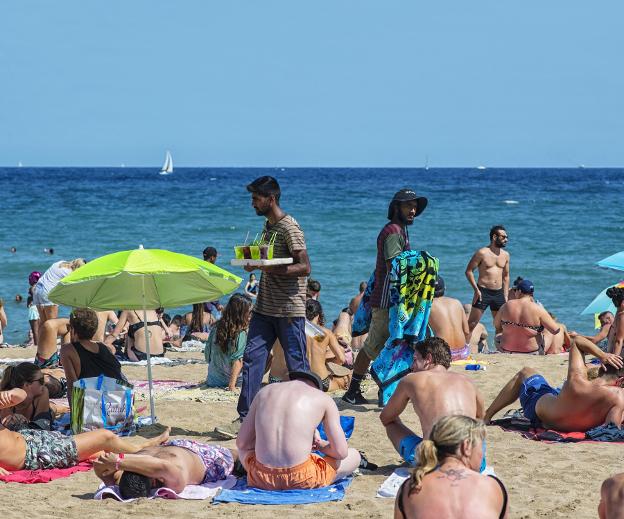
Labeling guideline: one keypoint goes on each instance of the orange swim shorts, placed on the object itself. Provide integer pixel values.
(315, 472)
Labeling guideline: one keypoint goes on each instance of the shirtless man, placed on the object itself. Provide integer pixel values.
(612, 498)
(103, 319)
(433, 391)
(493, 285)
(355, 302)
(601, 339)
(32, 449)
(580, 405)
(278, 435)
(448, 321)
(173, 464)
(479, 336)
(48, 355)
(616, 333)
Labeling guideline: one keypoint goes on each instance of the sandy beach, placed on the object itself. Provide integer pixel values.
(544, 480)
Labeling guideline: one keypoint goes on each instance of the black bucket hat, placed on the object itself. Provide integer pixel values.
(306, 375)
(407, 195)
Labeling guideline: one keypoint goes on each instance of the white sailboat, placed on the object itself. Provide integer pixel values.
(19, 164)
(167, 166)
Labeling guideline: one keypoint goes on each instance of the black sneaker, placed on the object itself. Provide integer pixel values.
(354, 398)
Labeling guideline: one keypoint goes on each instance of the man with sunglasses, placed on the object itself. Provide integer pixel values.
(492, 287)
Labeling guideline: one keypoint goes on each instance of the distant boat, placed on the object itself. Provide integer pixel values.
(122, 165)
(167, 166)
(481, 167)
(20, 165)
(427, 163)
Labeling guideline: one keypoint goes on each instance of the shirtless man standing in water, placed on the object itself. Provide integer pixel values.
(278, 435)
(434, 392)
(493, 285)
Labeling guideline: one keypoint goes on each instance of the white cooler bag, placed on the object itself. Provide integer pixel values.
(102, 403)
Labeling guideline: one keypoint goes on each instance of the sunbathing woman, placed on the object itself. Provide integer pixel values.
(616, 340)
(198, 324)
(135, 340)
(226, 344)
(34, 410)
(523, 321)
(446, 481)
(48, 355)
(33, 450)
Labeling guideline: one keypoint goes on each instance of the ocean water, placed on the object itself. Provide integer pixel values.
(560, 223)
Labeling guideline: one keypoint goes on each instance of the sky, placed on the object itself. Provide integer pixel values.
(326, 83)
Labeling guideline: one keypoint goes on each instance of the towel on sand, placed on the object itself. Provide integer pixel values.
(241, 493)
(190, 491)
(44, 476)
(517, 423)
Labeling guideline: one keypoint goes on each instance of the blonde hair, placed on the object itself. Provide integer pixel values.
(446, 436)
(73, 264)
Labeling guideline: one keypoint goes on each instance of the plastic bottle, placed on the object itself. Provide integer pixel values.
(475, 367)
(313, 331)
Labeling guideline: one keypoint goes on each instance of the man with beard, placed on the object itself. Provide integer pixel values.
(392, 241)
(279, 312)
(493, 285)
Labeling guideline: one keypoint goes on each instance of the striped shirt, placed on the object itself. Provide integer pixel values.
(283, 296)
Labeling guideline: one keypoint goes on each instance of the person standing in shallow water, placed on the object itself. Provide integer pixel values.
(492, 288)
(279, 312)
(392, 241)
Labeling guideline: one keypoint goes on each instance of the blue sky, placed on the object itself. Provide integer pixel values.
(323, 83)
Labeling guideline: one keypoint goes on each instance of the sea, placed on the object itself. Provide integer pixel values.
(560, 222)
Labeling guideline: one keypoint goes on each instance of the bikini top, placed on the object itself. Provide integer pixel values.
(500, 483)
(133, 328)
(538, 329)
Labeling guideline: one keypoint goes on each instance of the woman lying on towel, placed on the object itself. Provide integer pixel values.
(446, 481)
(34, 410)
(523, 322)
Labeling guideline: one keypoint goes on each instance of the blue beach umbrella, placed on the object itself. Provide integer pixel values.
(601, 303)
(615, 262)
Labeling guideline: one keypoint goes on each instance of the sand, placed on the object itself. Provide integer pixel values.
(544, 480)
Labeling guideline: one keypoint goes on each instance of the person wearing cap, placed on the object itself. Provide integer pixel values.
(522, 321)
(214, 308)
(449, 322)
(279, 434)
(492, 287)
(393, 239)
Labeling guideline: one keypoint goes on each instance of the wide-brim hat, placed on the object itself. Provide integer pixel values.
(306, 375)
(407, 195)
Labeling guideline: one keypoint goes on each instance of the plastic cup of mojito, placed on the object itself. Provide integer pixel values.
(255, 252)
(238, 252)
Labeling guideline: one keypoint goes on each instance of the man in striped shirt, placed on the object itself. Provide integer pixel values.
(279, 312)
(392, 241)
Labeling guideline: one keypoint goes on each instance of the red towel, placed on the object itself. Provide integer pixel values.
(44, 476)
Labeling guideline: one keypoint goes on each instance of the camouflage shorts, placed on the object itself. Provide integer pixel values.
(48, 450)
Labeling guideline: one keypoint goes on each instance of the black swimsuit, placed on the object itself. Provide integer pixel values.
(500, 483)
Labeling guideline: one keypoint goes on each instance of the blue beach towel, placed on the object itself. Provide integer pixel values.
(412, 280)
(346, 422)
(241, 493)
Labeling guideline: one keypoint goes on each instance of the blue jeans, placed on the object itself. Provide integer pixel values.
(263, 330)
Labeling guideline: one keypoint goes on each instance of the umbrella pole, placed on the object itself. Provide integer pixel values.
(147, 351)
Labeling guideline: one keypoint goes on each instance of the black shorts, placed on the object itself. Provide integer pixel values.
(492, 298)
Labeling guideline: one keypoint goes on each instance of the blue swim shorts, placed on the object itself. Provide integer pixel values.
(408, 445)
(531, 390)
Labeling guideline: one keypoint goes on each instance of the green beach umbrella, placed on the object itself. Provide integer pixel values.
(143, 279)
